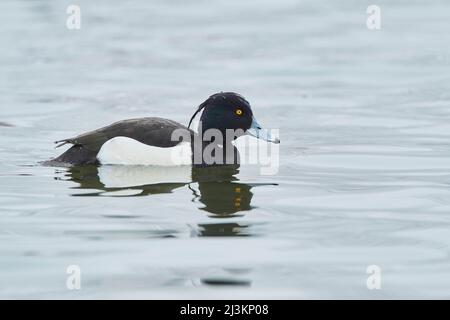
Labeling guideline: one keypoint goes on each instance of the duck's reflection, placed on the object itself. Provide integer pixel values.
(221, 192)
(216, 188)
(110, 180)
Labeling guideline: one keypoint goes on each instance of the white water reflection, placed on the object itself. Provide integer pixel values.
(129, 176)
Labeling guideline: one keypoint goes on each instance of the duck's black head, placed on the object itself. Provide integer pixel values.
(229, 110)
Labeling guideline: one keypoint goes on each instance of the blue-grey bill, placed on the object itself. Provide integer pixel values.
(258, 132)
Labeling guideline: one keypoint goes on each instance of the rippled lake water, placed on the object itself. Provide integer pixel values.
(364, 175)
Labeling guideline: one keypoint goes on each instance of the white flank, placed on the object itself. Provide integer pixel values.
(127, 151)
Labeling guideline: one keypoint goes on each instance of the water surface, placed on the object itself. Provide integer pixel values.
(364, 175)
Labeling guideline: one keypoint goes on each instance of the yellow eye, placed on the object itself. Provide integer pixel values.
(238, 112)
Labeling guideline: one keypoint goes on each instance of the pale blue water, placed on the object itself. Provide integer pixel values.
(364, 173)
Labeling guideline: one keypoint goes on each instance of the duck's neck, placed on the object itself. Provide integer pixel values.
(209, 153)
